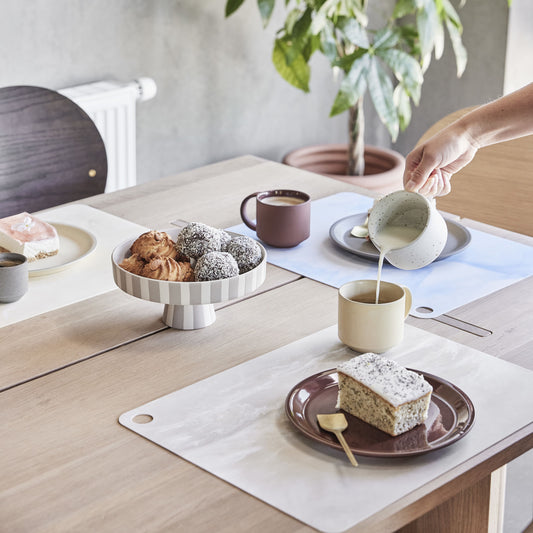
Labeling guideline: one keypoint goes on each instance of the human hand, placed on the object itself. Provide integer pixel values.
(430, 166)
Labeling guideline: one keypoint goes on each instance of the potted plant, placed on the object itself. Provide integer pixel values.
(387, 63)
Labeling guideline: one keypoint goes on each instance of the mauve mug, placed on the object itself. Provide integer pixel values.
(283, 217)
(13, 277)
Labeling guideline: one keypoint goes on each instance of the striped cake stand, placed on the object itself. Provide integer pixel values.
(188, 305)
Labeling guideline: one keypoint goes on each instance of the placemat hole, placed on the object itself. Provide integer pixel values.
(142, 419)
(424, 310)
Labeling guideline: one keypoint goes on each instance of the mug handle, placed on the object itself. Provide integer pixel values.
(408, 300)
(244, 217)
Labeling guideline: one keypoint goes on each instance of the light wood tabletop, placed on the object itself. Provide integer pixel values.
(66, 376)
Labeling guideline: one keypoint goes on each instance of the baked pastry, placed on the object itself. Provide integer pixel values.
(383, 393)
(134, 264)
(167, 269)
(26, 234)
(245, 251)
(154, 243)
(215, 265)
(197, 239)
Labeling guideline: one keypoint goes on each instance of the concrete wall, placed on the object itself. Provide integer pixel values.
(219, 95)
(518, 63)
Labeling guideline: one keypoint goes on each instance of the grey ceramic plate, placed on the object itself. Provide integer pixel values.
(458, 238)
(451, 416)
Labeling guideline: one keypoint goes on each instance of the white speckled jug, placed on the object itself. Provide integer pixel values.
(416, 214)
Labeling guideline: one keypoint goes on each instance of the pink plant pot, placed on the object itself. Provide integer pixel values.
(383, 168)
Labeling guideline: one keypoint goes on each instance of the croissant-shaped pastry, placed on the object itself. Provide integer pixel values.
(133, 264)
(167, 269)
(154, 243)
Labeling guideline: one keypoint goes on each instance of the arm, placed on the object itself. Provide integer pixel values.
(429, 167)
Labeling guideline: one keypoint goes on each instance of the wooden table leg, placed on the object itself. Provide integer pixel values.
(474, 510)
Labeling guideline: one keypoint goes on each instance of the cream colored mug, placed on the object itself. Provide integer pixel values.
(369, 327)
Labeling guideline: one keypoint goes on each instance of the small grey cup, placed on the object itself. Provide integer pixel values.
(13, 277)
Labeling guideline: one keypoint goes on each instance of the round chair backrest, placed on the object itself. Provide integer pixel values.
(50, 151)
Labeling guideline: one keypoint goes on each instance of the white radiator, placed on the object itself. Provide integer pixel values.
(111, 105)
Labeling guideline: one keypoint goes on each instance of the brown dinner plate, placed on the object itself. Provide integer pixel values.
(451, 416)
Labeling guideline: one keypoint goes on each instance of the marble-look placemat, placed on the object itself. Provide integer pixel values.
(489, 263)
(233, 425)
(89, 277)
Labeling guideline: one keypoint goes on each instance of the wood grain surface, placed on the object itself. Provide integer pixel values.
(67, 465)
(50, 149)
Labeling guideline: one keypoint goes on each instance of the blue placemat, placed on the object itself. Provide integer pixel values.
(488, 264)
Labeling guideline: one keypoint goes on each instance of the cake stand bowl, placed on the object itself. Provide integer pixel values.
(188, 304)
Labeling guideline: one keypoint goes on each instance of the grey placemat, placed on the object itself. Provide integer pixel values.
(233, 425)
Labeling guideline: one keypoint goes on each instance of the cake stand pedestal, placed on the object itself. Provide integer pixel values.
(189, 316)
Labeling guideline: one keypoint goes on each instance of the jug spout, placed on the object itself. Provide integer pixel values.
(407, 228)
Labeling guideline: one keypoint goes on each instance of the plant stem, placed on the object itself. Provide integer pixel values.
(356, 148)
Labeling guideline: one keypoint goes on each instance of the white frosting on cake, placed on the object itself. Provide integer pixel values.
(25, 234)
(388, 379)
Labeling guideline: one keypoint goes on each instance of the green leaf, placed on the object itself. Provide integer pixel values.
(302, 25)
(403, 8)
(439, 41)
(381, 92)
(319, 21)
(458, 48)
(403, 106)
(328, 43)
(406, 69)
(265, 9)
(311, 46)
(385, 38)
(346, 62)
(297, 73)
(292, 16)
(427, 20)
(408, 34)
(353, 31)
(232, 6)
(298, 40)
(352, 87)
(451, 14)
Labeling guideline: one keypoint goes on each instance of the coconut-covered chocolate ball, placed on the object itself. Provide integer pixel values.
(197, 239)
(225, 238)
(246, 252)
(215, 265)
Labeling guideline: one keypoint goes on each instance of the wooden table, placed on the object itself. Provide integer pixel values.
(66, 376)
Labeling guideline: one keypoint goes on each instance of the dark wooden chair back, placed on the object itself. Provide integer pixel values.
(50, 151)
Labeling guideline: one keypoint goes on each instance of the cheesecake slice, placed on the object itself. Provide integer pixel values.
(27, 235)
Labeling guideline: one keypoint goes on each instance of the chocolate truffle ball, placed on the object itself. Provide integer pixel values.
(215, 265)
(246, 252)
(197, 239)
(225, 238)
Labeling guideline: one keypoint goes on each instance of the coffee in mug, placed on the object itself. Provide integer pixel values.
(367, 326)
(13, 277)
(283, 217)
(282, 200)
